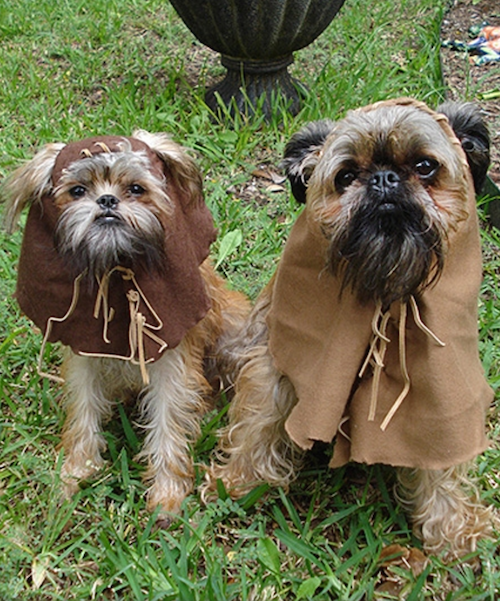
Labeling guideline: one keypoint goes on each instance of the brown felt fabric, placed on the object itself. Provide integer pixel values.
(45, 281)
(319, 340)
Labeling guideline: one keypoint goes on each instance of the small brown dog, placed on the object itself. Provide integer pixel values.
(367, 333)
(114, 264)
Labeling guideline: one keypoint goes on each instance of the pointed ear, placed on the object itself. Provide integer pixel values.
(469, 127)
(29, 183)
(302, 154)
(178, 162)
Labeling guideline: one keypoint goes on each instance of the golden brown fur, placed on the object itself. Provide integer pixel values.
(172, 401)
(170, 407)
(255, 446)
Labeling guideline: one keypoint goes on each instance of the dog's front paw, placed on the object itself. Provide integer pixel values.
(73, 472)
(236, 482)
(168, 495)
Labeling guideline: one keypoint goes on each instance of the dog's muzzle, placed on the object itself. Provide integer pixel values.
(108, 203)
(384, 186)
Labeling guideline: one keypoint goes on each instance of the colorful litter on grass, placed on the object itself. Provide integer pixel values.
(484, 47)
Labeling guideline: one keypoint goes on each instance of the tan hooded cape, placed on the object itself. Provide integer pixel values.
(170, 304)
(320, 340)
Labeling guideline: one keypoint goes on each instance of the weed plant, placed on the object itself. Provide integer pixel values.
(72, 69)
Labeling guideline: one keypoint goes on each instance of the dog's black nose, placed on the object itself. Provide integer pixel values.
(107, 201)
(383, 182)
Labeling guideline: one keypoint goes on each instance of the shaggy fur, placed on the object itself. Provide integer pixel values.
(110, 206)
(383, 185)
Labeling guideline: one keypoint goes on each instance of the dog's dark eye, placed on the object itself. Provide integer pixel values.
(426, 168)
(77, 191)
(136, 190)
(345, 178)
(468, 145)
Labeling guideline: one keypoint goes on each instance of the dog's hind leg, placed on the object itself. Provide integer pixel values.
(445, 508)
(255, 447)
(87, 407)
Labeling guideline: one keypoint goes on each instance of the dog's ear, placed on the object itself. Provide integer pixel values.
(178, 162)
(470, 128)
(29, 183)
(302, 154)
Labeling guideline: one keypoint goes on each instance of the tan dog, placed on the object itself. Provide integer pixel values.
(367, 333)
(114, 264)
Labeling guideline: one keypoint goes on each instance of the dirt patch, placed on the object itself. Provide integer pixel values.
(466, 80)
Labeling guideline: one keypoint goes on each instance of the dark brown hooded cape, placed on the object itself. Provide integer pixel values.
(319, 340)
(45, 285)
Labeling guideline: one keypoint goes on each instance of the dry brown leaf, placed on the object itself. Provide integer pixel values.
(390, 587)
(397, 555)
(393, 554)
(262, 173)
(417, 560)
(270, 174)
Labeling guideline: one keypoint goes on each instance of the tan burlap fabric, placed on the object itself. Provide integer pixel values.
(46, 283)
(320, 339)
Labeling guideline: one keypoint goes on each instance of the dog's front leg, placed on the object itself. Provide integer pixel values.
(171, 408)
(87, 406)
(255, 446)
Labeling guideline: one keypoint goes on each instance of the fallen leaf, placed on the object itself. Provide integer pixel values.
(275, 188)
(393, 554)
(417, 560)
(39, 571)
(390, 587)
(397, 555)
(262, 173)
(270, 174)
(278, 178)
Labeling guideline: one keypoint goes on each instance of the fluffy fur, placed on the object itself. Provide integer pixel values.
(109, 208)
(114, 217)
(382, 184)
(382, 210)
(470, 128)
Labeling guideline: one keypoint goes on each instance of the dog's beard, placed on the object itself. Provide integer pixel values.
(386, 251)
(96, 240)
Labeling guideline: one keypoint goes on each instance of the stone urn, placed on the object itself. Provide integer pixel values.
(256, 40)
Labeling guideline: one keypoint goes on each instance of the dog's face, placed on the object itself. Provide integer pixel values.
(112, 206)
(109, 207)
(387, 186)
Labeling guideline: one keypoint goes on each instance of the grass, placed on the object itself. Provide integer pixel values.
(72, 69)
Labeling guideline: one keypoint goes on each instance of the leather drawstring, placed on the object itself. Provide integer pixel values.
(139, 328)
(377, 351)
(48, 329)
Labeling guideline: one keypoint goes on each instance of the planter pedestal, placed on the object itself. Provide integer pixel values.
(247, 81)
(256, 40)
